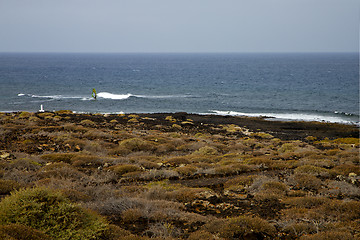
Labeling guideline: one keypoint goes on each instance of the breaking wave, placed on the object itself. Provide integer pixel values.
(104, 95)
(332, 118)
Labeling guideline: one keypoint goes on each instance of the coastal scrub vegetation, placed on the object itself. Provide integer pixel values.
(176, 176)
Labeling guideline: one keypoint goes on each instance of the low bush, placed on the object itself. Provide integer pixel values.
(86, 161)
(275, 187)
(131, 215)
(233, 169)
(50, 212)
(345, 169)
(58, 157)
(240, 184)
(343, 210)
(186, 170)
(133, 145)
(87, 123)
(287, 147)
(305, 182)
(15, 231)
(307, 202)
(313, 170)
(177, 161)
(202, 235)
(60, 170)
(297, 229)
(124, 168)
(206, 151)
(7, 186)
(330, 235)
(242, 227)
(341, 188)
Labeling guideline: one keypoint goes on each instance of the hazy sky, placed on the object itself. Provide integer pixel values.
(179, 25)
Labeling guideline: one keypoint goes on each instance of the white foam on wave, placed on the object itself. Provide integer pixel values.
(49, 96)
(108, 95)
(290, 116)
(163, 96)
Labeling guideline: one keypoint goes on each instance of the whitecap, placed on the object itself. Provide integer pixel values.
(290, 116)
(108, 95)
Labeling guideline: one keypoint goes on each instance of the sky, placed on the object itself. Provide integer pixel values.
(179, 26)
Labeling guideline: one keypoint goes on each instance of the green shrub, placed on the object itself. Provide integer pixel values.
(262, 135)
(347, 140)
(21, 232)
(24, 115)
(287, 147)
(50, 212)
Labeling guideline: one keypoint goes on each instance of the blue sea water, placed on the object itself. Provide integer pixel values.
(308, 86)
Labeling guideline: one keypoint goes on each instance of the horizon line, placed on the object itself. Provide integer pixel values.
(160, 52)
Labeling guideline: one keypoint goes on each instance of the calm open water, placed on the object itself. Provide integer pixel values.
(321, 87)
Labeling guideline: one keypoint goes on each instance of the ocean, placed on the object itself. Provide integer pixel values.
(299, 86)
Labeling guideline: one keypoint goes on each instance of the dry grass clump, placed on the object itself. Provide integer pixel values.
(233, 169)
(240, 184)
(313, 170)
(16, 231)
(341, 189)
(186, 170)
(124, 168)
(177, 161)
(58, 157)
(242, 227)
(346, 169)
(133, 145)
(305, 182)
(87, 123)
(84, 160)
(307, 202)
(60, 170)
(275, 187)
(329, 235)
(7, 186)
